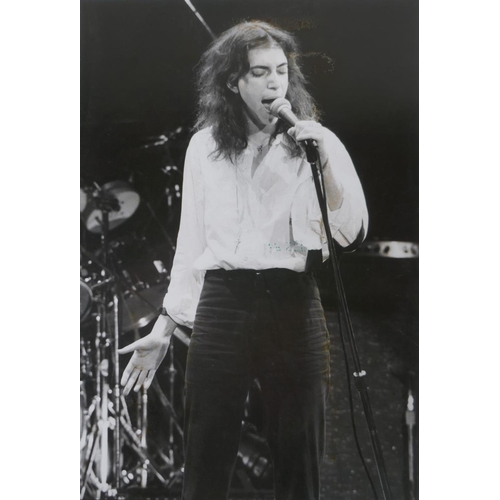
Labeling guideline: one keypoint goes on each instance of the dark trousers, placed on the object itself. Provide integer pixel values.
(268, 325)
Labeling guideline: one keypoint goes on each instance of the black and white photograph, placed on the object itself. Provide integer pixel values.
(249, 250)
(286, 247)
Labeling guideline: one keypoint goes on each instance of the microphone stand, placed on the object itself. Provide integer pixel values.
(359, 374)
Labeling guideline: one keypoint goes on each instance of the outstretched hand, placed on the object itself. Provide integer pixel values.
(148, 355)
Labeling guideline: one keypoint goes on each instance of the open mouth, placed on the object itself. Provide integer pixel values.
(267, 104)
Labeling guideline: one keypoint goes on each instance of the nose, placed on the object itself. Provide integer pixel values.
(273, 81)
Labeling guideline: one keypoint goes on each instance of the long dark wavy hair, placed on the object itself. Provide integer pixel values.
(226, 61)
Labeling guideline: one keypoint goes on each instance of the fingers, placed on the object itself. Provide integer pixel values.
(131, 381)
(149, 379)
(304, 130)
(127, 372)
(140, 380)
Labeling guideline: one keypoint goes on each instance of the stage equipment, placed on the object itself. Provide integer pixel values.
(144, 271)
(101, 453)
(202, 21)
(122, 285)
(86, 299)
(121, 199)
(389, 249)
(282, 109)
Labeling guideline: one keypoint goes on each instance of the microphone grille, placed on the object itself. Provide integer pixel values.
(278, 104)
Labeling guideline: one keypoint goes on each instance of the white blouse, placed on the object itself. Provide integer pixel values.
(233, 220)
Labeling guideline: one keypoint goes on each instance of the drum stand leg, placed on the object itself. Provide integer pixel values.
(98, 439)
(136, 437)
(144, 427)
(171, 460)
(106, 358)
(131, 438)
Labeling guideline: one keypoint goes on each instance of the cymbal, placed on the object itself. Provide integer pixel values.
(136, 313)
(127, 202)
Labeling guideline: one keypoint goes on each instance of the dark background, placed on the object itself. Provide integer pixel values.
(361, 59)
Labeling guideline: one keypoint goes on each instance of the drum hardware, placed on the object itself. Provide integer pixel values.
(141, 307)
(86, 371)
(162, 139)
(117, 199)
(389, 249)
(408, 380)
(83, 199)
(177, 472)
(106, 358)
(86, 299)
(103, 435)
(122, 291)
(140, 300)
(174, 463)
(144, 277)
(159, 141)
(138, 444)
(254, 452)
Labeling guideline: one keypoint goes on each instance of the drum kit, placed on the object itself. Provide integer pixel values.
(126, 255)
(123, 281)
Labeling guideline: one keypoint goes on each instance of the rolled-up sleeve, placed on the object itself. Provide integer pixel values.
(348, 222)
(184, 290)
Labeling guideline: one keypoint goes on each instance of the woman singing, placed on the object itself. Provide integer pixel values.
(241, 276)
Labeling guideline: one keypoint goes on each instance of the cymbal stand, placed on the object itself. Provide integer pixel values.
(171, 472)
(103, 421)
(98, 437)
(138, 445)
(174, 463)
(130, 432)
(144, 429)
(111, 415)
(108, 204)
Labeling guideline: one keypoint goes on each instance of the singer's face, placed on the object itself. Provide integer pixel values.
(266, 80)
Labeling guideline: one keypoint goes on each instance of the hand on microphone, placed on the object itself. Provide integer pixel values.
(310, 130)
(301, 130)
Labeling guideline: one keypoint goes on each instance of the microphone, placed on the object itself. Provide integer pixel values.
(281, 108)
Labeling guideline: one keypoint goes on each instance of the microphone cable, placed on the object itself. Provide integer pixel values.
(343, 314)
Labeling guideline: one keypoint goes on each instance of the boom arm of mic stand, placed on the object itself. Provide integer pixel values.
(359, 374)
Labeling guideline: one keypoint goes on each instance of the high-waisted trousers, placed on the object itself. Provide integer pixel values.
(267, 325)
